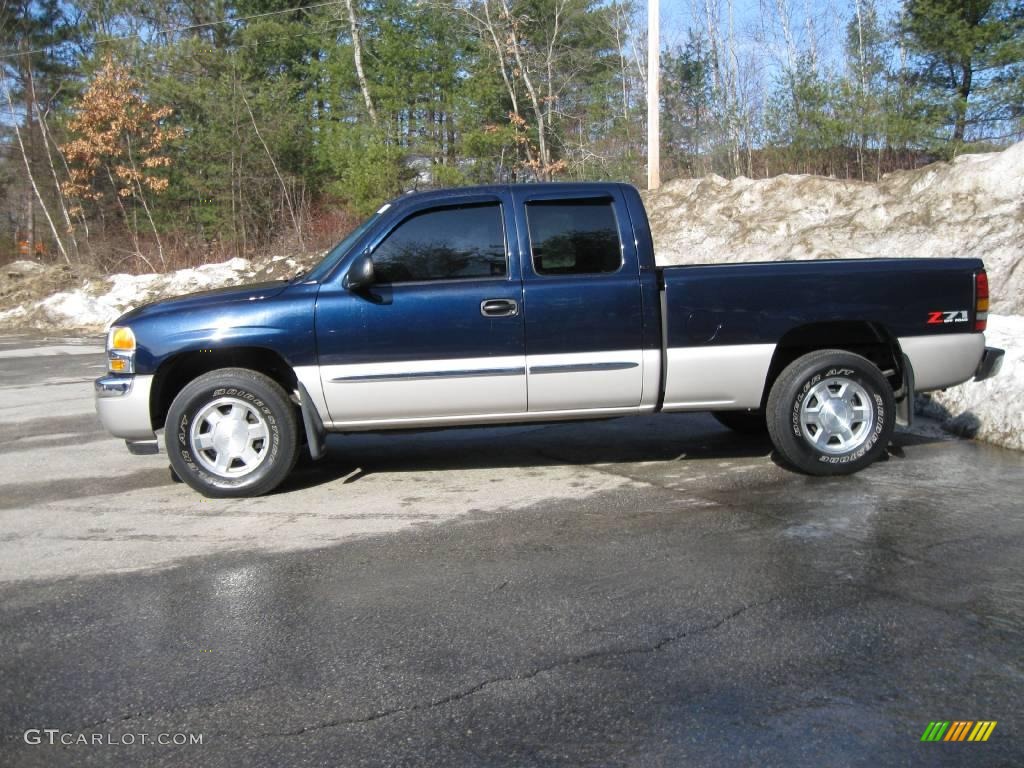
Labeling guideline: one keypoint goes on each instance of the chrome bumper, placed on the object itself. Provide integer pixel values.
(991, 363)
(122, 403)
(113, 386)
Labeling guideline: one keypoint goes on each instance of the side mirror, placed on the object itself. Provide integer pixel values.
(360, 274)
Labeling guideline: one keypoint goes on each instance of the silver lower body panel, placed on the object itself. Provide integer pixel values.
(726, 377)
(122, 403)
(944, 360)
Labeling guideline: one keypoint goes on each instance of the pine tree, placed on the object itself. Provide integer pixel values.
(970, 55)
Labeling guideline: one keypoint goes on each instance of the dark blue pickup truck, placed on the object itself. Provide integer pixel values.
(511, 304)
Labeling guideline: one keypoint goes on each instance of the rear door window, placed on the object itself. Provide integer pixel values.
(573, 237)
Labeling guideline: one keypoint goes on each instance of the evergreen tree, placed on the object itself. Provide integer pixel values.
(687, 93)
(970, 55)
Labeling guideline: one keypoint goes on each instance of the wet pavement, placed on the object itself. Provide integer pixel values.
(644, 592)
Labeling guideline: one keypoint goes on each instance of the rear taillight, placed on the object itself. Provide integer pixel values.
(980, 301)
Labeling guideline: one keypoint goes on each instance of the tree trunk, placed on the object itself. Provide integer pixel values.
(620, 47)
(357, 54)
(863, 88)
(141, 193)
(30, 208)
(29, 136)
(280, 178)
(44, 133)
(964, 91)
(132, 229)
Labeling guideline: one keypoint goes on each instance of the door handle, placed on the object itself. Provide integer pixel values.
(499, 308)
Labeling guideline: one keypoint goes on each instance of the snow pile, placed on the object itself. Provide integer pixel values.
(97, 304)
(989, 410)
(973, 206)
(95, 308)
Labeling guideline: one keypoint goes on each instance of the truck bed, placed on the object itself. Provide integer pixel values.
(723, 323)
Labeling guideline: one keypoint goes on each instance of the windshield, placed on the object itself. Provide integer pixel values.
(320, 270)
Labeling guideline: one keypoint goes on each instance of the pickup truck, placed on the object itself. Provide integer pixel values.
(537, 303)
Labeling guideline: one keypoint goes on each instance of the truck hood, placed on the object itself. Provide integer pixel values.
(206, 300)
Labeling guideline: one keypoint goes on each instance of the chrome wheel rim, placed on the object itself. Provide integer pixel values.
(230, 438)
(836, 415)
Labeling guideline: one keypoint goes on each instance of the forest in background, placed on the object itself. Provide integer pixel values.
(144, 137)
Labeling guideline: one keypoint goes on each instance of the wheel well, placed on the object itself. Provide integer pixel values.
(869, 340)
(174, 373)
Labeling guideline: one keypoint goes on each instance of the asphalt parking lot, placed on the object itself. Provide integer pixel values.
(639, 592)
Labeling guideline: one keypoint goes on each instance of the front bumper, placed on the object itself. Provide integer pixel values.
(122, 403)
(990, 365)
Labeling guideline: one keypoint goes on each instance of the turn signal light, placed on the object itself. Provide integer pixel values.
(118, 365)
(980, 301)
(122, 338)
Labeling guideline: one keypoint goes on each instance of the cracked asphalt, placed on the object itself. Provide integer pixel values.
(639, 592)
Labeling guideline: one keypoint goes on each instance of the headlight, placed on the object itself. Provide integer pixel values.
(121, 338)
(121, 350)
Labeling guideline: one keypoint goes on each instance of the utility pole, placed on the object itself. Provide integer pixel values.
(653, 71)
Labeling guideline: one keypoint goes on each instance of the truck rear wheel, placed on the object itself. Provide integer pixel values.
(831, 413)
(232, 433)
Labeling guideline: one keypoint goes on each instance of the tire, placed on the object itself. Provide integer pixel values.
(856, 425)
(246, 450)
(743, 422)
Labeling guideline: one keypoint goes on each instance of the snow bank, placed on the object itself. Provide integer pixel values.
(95, 307)
(97, 303)
(973, 206)
(989, 410)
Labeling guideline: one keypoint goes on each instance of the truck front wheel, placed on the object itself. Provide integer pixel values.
(831, 413)
(232, 433)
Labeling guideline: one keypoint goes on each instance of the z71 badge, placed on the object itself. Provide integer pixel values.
(954, 316)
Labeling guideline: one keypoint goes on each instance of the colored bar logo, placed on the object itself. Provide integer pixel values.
(958, 730)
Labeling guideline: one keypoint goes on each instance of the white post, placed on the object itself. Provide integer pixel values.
(653, 71)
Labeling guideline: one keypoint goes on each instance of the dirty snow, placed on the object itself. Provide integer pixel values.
(989, 410)
(97, 304)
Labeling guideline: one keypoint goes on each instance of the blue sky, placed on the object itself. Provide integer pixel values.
(756, 28)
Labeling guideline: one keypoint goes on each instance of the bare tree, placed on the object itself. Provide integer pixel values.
(44, 132)
(28, 169)
(812, 34)
(503, 28)
(782, 17)
(357, 55)
(280, 178)
(523, 71)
